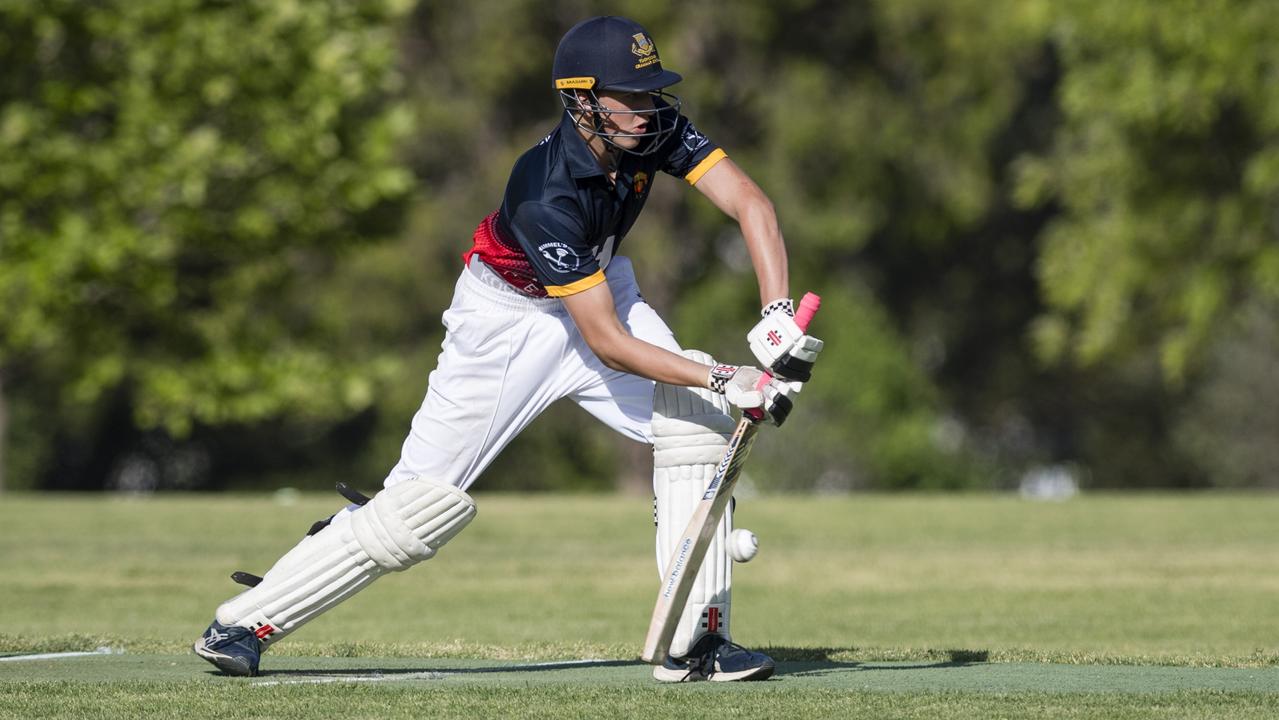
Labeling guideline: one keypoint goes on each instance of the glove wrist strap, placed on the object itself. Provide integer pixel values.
(719, 377)
(785, 305)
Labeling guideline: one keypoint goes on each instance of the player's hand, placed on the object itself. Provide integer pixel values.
(780, 345)
(750, 389)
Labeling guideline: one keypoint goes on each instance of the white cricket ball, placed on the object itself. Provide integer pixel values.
(742, 545)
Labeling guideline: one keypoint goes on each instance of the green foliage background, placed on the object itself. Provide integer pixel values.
(1045, 233)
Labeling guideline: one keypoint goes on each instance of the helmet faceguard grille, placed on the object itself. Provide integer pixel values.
(661, 119)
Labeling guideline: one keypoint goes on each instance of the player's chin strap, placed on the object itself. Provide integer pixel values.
(691, 427)
(395, 529)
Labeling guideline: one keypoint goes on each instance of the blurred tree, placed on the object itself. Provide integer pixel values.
(837, 109)
(1161, 183)
(1228, 427)
(177, 177)
(484, 97)
(1165, 170)
(1029, 219)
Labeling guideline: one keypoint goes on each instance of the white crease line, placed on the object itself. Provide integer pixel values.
(426, 675)
(326, 679)
(552, 664)
(59, 656)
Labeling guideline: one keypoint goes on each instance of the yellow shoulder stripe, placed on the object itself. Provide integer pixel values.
(706, 164)
(576, 286)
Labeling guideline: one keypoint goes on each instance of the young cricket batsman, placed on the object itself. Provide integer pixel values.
(546, 308)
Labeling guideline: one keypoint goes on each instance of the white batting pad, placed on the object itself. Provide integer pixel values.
(691, 427)
(401, 526)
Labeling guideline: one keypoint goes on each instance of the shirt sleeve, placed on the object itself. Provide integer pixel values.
(691, 153)
(554, 240)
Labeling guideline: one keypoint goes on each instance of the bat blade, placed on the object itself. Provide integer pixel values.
(689, 552)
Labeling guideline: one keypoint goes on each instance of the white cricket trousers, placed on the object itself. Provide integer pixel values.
(505, 358)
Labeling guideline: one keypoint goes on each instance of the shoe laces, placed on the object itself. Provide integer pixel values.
(710, 657)
(705, 662)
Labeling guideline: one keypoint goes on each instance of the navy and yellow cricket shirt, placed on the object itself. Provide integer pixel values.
(561, 220)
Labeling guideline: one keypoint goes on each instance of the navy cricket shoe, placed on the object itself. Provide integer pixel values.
(716, 659)
(234, 650)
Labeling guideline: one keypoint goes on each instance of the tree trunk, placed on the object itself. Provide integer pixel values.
(636, 476)
(4, 430)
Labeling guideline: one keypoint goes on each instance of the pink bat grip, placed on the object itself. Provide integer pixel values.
(808, 306)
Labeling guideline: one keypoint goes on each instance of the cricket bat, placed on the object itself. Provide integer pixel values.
(690, 551)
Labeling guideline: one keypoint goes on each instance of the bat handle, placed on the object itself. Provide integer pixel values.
(808, 307)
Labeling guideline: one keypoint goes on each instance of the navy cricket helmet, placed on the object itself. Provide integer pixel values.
(614, 53)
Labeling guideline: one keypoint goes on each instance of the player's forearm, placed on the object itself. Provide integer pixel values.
(763, 237)
(596, 318)
(626, 353)
(734, 193)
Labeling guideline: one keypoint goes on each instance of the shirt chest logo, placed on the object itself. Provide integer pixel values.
(640, 182)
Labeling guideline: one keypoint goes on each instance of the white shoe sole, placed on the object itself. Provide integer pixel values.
(226, 663)
(661, 673)
(763, 672)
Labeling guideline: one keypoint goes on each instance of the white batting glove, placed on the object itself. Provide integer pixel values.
(749, 388)
(780, 345)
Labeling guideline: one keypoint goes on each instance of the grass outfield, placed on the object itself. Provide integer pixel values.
(881, 606)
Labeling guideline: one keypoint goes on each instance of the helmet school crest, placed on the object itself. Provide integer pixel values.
(644, 49)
